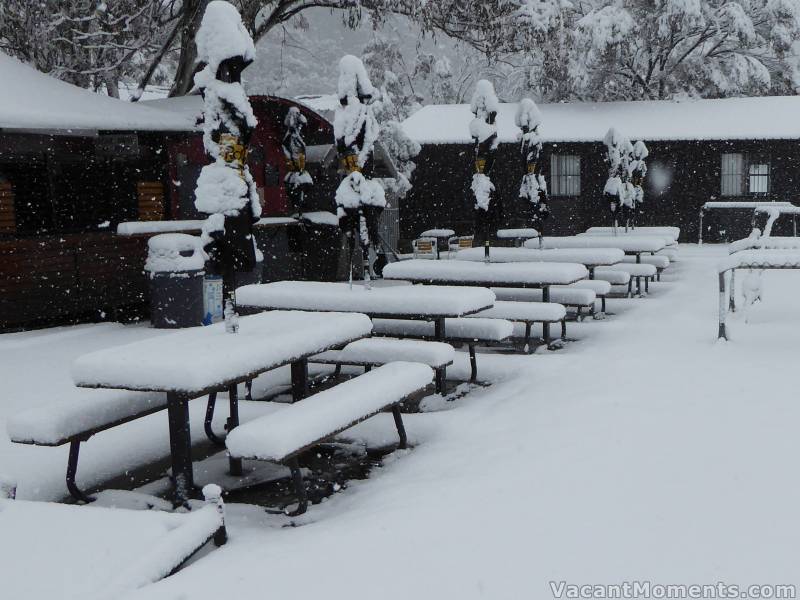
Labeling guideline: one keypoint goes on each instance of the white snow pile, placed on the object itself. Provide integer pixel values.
(200, 358)
(221, 190)
(277, 436)
(484, 103)
(482, 188)
(385, 350)
(453, 271)
(390, 300)
(466, 328)
(222, 35)
(353, 116)
(171, 252)
(356, 190)
(529, 116)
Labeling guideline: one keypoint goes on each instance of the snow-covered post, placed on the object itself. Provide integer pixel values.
(638, 171)
(225, 189)
(533, 187)
(618, 190)
(212, 494)
(359, 200)
(483, 130)
(298, 180)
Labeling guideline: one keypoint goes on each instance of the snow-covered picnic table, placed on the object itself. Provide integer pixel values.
(665, 231)
(629, 244)
(588, 257)
(197, 361)
(756, 242)
(736, 205)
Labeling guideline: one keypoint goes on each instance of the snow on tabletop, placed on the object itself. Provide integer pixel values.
(453, 271)
(53, 550)
(754, 259)
(667, 239)
(438, 233)
(526, 232)
(38, 101)
(667, 231)
(274, 221)
(495, 330)
(390, 300)
(624, 243)
(744, 204)
(635, 269)
(612, 277)
(53, 423)
(562, 295)
(170, 252)
(386, 350)
(587, 257)
(660, 120)
(199, 358)
(524, 311)
(277, 436)
(754, 242)
(778, 208)
(322, 217)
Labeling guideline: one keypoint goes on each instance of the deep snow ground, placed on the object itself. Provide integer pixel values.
(645, 450)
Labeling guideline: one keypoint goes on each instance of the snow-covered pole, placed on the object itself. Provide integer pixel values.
(638, 172)
(225, 189)
(359, 200)
(483, 130)
(212, 494)
(533, 188)
(298, 180)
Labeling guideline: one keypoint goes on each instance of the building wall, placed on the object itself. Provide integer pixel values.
(682, 176)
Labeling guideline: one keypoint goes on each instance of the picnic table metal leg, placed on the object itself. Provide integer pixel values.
(234, 464)
(401, 430)
(591, 272)
(439, 332)
(722, 334)
(72, 471)
(546, 325)
(473, 364)
(180, 446)
(564, 328)
(212, 402)
(299, 489)
(299, 379)
(732, 298)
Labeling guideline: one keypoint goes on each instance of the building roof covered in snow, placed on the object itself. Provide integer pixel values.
(760, 118)
(30, 100)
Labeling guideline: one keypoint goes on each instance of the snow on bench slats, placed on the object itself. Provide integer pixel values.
(539, 312)
(492, 330)
(625, 243)
(563, 295)
(452, 271)
(658, 261)
(612, 277)
(386, 350)
(53, 424)
(765, 243)
(510, 234)
(671, 232)
(391, 300)
(590, 257)
(761, 259)
(635, 269)
(196, 359)
(54, 550)
(278, 436)
(599, 287)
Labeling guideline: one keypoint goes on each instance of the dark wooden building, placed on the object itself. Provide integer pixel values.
(700, 150)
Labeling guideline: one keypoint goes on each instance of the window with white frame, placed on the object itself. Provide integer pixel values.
(565, 175)
(745, 174)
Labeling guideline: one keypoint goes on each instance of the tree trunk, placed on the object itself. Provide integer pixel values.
(190, 23)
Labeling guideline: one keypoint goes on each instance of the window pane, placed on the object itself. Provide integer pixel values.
(759, 178)
(732, 174)
(565, 175)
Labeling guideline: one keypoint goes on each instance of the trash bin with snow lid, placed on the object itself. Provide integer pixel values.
(175, 265)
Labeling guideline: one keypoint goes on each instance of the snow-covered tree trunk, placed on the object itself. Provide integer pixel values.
(619, 191)
(359, 199)
(225, 189)
(298, 180)
(483, 130)
(533, 188)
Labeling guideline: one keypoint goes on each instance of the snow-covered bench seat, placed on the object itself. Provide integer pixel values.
(373, 352)
(661, 231)
(528, 313)
(638, 272)
(282, 436)
(470, 331)
(601, 289)
(74, 422)
(659, 261)
(612, 277)
(569, 296)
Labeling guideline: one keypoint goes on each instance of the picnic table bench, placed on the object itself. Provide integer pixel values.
(406, 302)
(629, 244)
(663, 231)
(493, 275)
(281, 437)
(182, 366)
(591, 258)
(518, 235)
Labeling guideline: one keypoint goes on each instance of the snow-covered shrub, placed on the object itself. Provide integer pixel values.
(482, 189)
